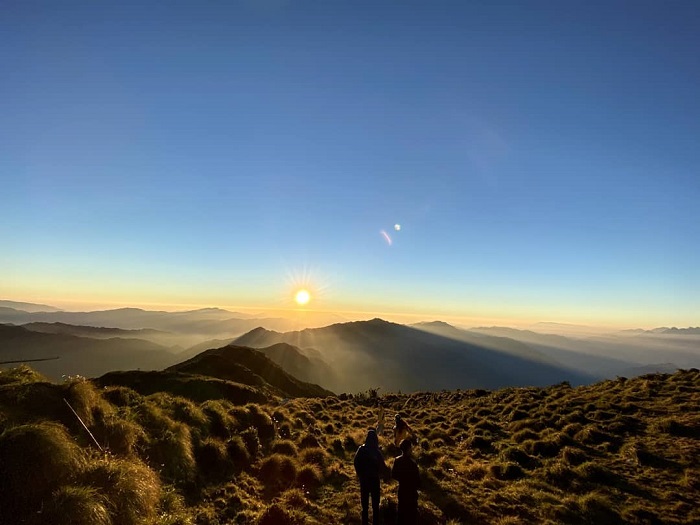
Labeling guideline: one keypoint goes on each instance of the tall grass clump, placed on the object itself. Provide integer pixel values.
(238, 453)
(35, 459)
(262, 422)
(221, 424)
(277, 472)
(131, 489)
(285, 447)
(169, 444)
(76, 505)
(119, 436)
(20, 374)
(213, 462)
(122, 396)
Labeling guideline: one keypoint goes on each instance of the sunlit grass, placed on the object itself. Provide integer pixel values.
(618, 451)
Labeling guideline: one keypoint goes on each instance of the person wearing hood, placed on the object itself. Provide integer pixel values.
(370, 467)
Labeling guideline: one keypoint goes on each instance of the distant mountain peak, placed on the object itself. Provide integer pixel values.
(434, 324)
(28, 307)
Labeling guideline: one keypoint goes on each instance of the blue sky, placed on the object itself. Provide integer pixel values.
(541, 157)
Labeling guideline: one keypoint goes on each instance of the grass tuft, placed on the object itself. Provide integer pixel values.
(131, 489)
(34, 460)
(76, 505)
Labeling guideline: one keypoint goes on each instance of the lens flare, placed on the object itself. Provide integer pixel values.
(386, 237)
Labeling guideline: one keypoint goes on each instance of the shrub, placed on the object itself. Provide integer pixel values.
(691, 479)
(350, 444)
(519, 456)
(74, 505)
(308, 441)
(212, 459)
(595, 473)
(275, 515)
(524, 435)
(596, 508)
(309, 477)
(673, 427)
(573, 456)
(84, 398)
(531, 424)
(337, 447)
(592, 436)
(119, 436)
(277, 472)
(34, 460)
(542, 447)
(637, 453)
(132, 490)
(221, 424)
(285, 447)
(506, 471)
(241, 416)
(172, 509)
(517, 415)
(186, 411)
(479, 443)
(572, 429)
(285, 430)
(314, 456)
(559, 475)
(262, 422)
(122, 396)
(295, 498)
(20, 374)
(171, 452)
(252, 443)
(238, 453)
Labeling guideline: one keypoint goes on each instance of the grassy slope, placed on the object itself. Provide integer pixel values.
(618, 451)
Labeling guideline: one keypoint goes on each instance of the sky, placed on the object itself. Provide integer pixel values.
(504, 161)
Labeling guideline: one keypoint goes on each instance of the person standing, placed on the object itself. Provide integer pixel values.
(370, 467)
(405, 471)
(402, 430)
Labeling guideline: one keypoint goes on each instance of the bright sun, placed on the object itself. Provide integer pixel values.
(302, 297)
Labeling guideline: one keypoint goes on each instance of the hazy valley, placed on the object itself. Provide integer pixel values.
(258, 426)
(343, 357)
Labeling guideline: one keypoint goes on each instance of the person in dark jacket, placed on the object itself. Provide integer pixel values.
(405, 471)
(370, 467)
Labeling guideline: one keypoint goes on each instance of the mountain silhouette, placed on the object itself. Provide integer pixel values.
(377, 353)
(250, 367)
(203, 323)
(96, 332)
(28, 307)
(609, 355)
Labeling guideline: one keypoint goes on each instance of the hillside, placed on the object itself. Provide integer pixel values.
(250, 367)
(96, 332)
(609, 355)
(307, 366)
(28, 307)
(623, 451)
(369, 354)
(84, 356)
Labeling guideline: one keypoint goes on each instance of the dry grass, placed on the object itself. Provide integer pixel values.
(618, 451)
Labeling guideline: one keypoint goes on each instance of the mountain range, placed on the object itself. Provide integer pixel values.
(343, 357)
(380, 354)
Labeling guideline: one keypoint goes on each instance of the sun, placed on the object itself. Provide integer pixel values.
(302, 297)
